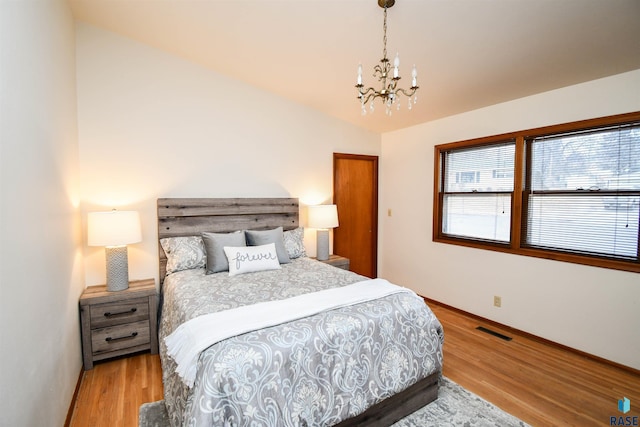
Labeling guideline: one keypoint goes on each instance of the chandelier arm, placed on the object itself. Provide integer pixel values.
(367, 93)
(368, 97)
(408, 93)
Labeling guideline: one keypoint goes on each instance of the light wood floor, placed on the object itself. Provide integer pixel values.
(111, 393)
(539, 383)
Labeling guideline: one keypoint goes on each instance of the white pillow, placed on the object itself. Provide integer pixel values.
(247, 259)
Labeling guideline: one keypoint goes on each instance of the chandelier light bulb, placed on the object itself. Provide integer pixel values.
(396, 65)
(414, 76)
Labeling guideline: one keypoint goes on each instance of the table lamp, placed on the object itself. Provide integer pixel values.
(114, 230)
(323, 217)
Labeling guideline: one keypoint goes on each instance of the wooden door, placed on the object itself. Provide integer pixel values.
(355, 192)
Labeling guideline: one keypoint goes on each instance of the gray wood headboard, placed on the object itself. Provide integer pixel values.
(190, 217)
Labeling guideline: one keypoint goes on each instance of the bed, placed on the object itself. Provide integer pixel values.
(356, 358)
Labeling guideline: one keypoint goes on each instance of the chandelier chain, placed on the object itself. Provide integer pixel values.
(384, 38)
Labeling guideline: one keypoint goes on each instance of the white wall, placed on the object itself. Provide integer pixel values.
(154, 125)
(591, 309)
(41, 252)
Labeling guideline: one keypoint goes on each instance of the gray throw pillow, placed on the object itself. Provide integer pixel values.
(214, 244)
(264, 237)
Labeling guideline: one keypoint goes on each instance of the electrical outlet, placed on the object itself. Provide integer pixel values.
(497, 301)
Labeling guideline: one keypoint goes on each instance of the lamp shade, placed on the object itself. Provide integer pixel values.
(114, 228)
(323, 216)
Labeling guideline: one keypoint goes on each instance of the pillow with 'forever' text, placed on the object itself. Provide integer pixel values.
(248, 259)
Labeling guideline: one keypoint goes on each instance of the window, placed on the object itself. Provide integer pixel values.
(568, 192)
(582, 192)
(478, 207)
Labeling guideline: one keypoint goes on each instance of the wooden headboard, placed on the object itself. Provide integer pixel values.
(191, 217)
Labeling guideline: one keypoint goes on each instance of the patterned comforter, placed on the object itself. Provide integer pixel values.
(315, 371)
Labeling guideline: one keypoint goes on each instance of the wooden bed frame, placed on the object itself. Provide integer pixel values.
(191, 217)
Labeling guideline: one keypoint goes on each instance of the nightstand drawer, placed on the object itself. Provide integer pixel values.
(119, 337)
(118, 313)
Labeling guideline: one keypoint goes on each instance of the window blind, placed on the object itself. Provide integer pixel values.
(583, 192)
(477, 188)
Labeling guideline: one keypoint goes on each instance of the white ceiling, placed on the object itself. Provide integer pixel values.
(469, 53)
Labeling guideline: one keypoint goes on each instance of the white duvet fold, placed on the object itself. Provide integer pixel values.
(186, 343)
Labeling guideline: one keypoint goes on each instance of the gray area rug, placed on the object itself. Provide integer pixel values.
(455, 406)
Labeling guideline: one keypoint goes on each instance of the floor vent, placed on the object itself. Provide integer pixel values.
(494, 333)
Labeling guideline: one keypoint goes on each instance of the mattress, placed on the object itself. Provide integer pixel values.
(317, 370)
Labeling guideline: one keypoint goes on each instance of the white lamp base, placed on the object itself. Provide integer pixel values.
(322, 245)
(117, 268)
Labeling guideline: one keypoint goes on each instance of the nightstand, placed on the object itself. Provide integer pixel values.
(118, 323)
(337, 261)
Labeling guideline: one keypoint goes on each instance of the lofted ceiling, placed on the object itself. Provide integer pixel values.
(469, 53)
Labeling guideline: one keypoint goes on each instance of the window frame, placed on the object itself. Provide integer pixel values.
(474, 193)
(517, 244)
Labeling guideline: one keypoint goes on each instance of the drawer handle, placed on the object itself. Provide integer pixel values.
(109, 315)
(110, 340)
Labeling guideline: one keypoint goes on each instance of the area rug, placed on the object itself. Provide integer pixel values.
(455, 406)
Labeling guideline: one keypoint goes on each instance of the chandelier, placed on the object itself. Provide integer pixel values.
(388, 76)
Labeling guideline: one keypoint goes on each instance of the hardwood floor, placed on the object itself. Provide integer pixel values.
(111, 393)
(540, 383)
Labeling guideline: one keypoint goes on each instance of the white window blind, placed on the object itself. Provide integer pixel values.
(477, 188)
(583, 192)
